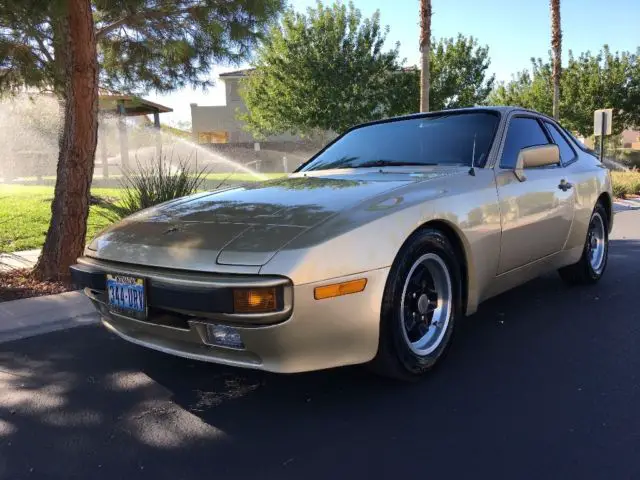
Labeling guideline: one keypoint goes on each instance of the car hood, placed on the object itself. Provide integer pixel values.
(242, 226)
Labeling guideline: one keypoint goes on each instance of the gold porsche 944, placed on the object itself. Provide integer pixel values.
(371, 252)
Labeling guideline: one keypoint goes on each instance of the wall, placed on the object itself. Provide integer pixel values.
(221, 119)
(631, 139)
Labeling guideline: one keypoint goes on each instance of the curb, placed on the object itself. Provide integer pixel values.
(19, 333)
(34, 316)
(625, 204)
(20, 259)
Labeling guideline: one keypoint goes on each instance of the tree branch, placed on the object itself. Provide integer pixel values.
(43, 48)
(33, 31)
(137, 17)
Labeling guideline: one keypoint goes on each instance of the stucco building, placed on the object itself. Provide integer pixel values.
(219, 128)
(219, 124)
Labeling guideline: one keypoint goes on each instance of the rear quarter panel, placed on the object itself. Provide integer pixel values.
(590, 179)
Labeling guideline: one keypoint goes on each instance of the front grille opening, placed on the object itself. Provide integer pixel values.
(161, 317)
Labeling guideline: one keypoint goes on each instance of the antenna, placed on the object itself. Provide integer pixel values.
(472, 170)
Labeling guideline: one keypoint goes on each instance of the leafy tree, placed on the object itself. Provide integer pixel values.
(589, 82)
(459, 73)
(458, 78)
(512, 93)
(140, 45)
(326, 71)
(159, 45)
(604, 80)
(323, 71)
(403, 95)
(532, 90)
(31, 49)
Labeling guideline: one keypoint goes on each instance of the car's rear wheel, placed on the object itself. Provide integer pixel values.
(421, 303)
(593, 262)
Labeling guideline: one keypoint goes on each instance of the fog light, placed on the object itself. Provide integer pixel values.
(223, 336)
(254, 300)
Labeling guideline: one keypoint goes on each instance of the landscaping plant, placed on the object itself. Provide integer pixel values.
(158, 181)
(626, 183)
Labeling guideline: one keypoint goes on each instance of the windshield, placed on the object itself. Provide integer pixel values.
(442, 139)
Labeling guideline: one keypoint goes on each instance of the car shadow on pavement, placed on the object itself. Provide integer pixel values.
(518, 354)
(542, 368)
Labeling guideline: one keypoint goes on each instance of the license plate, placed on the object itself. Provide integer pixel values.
(126, 294)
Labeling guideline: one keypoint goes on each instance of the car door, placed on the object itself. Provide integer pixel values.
(536, 212)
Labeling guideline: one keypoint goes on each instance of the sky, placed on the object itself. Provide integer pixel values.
(514, 30)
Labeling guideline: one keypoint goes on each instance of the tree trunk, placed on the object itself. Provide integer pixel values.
(425, 50)
(70, 208)
(556, 46)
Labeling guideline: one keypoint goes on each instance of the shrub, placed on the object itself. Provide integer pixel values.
(631, 158)
(626, 183)
(619, 190)
(154, 183)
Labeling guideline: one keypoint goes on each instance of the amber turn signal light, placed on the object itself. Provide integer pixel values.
(254, 300)
(338, 289)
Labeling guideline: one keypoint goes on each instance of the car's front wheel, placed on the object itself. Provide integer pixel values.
(420, 308)
(593, 262)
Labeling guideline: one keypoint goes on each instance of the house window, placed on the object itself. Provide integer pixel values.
(213, 137)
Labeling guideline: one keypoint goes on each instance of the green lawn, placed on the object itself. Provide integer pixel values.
(25, 212)
(231, 177)
(241, 177)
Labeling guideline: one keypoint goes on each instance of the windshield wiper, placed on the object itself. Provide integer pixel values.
(389, 163)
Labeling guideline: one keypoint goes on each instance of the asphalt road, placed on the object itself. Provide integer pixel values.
(543, 382)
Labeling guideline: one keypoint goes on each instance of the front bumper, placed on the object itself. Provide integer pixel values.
(310, 334)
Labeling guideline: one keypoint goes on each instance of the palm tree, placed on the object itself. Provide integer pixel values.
(556, 45)
(425, 50)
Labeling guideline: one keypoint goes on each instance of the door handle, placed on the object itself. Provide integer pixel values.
(564, 185)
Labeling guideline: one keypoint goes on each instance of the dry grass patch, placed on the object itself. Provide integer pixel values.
(626, 183)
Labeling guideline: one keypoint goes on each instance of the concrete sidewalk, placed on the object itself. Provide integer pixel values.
(23, 259)
(621, 205)
(34, 316)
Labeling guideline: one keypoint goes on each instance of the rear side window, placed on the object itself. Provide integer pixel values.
(578, 143)
(522, 133)
(566, 152)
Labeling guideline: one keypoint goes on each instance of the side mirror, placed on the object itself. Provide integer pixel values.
(538, 156)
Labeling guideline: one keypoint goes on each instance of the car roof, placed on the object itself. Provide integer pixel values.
(499, 109)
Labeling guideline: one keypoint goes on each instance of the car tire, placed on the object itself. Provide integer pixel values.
(595, 254)
(420, 307)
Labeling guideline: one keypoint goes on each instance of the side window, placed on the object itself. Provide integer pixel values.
(523, 132)
(578, 144)
(566, 152)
